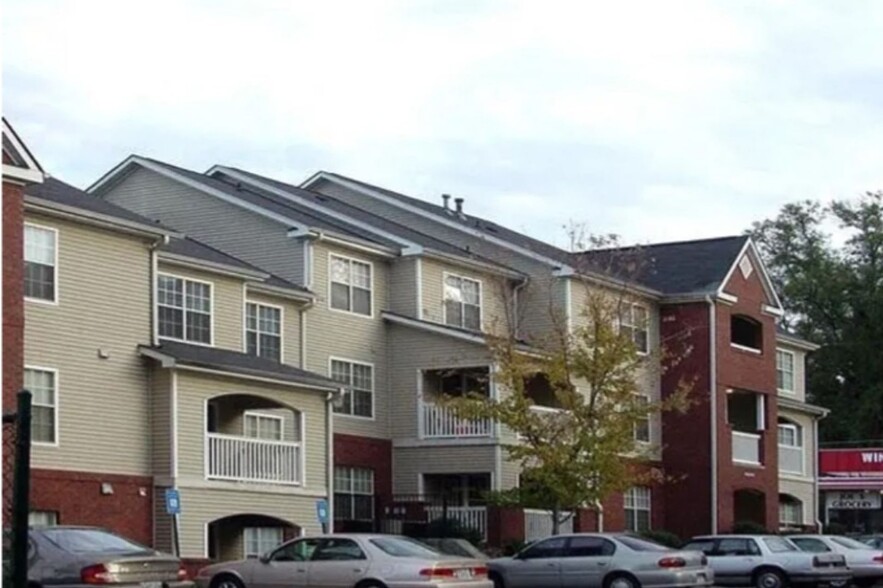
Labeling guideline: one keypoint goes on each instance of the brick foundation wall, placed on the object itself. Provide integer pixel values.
(77, 498)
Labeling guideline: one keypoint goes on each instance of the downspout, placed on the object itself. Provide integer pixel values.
(820, 526)
(599, 508)
(154, 271)
(329, 451)
(712, 350)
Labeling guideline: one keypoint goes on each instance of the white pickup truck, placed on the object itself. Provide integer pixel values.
(768, 561)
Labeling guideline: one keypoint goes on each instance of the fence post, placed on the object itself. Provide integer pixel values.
(21, 491)
(444, 525)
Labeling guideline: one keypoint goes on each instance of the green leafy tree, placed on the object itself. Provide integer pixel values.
(827, 262)
(572, 399)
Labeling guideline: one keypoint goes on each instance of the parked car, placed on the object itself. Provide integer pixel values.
(72, 556)
(864, 561)
(607, 560)
(369, 561)
(875, 541)
(768, 561)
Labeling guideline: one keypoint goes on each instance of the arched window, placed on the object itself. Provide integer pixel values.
(746, 332)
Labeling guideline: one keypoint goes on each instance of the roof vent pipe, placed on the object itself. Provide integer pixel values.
(459, 203)
(446, 199)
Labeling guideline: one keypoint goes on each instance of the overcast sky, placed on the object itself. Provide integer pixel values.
(654, 120)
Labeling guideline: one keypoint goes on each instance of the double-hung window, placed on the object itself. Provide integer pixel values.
(358, 400)
(353, 494)
(785, 371)
(263, 426)
(260, 540)
(351, 284)
(185, 309)
(633, 323)
(41, 260)
(43, 385)
(642, 421)
(637, 509)
(789, 435)
(263, 330)
(462, 302)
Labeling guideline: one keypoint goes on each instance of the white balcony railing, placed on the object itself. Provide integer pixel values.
(746, 447)
(474, 517)
(252, 460)
(441, 422)
(538, 523)
(791, 459)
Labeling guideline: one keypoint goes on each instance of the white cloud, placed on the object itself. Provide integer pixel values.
(656, 120)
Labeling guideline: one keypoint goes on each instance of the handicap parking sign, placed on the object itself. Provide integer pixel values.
(173, 501)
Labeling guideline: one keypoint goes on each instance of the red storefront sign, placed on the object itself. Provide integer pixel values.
(857, 463)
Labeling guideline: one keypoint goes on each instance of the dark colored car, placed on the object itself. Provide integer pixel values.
(84, 556)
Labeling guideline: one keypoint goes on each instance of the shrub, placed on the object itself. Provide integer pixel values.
(749, 528)
(662, 537)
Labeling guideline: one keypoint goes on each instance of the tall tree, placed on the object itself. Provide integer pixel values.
(831, 282)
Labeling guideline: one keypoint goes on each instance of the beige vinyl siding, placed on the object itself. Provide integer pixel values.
(228, 227)
(403, 285)
(227, 305)
(201, 506)
(495, 295)
(193, 392)
(415, 350)
(103, 306)
(161, 420)
(409, 463)
(347, 336)
(509, 471)
(290, 325)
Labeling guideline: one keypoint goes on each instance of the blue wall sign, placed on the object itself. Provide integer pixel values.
(173, 501)
(322, 511)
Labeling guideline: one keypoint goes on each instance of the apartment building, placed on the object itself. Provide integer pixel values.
(159, 362)
(404, 292)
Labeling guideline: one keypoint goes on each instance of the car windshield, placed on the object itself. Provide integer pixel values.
(404, 547)
(779, 545)
(91, 541)
(850, 543)
(638, 544)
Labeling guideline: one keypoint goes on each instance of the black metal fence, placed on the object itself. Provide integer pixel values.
(423, 516)
(16, 491)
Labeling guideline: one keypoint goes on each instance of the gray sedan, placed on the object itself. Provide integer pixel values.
(600, 560)
(345, 561)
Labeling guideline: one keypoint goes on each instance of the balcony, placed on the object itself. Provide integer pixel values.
(746, 448)
(244, 459)
(441, 422)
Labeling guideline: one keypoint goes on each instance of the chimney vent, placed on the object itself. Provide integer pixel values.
(459, 203)
(446, 198)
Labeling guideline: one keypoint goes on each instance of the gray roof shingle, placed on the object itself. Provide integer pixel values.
(239, 363)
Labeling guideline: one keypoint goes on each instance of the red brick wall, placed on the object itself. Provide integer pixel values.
(366, 452)
(686, 452)
(748, 372)
(77, 498)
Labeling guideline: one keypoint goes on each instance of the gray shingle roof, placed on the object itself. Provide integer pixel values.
(59, 192)
(239, 363)
(684, 267)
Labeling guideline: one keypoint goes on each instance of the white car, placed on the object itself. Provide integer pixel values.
(864, 561)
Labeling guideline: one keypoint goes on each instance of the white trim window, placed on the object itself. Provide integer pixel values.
(358, 399)
(263, 330)
(790, 436)
(184, 309)
(263, 426)
(42, 518)
(351, 285)
(785, 371)
(259, 540)
(642, 422)
(790, 511)
(43, 385)
(634, 323)
(41, 263)
(353, 494)
(462, 302)
(637, 501)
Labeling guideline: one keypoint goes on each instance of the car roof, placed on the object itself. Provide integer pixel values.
(745, 536)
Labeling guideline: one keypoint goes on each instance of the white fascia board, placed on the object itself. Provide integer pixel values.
(164, 360)
(798, 343)
(303, 202)
(296, 295)
(21, 149)
(765, 280)
(21, 175)
(441, 220)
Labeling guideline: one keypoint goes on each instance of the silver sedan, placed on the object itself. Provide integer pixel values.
(600, 560)
(865, 562)
(346, 561)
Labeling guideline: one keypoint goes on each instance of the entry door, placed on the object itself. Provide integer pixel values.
(337, 563)
(286, 567)
(585, 561)
(538, 566)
